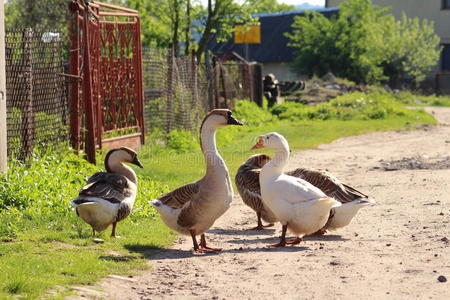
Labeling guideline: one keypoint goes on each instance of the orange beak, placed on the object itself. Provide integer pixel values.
(259, 144)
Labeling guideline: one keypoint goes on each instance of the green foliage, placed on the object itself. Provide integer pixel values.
(251, 114)
(268, 6)
(354, 106)
(181, 141)
(364, 44)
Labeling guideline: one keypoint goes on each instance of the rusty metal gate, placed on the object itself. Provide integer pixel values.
(106, 96)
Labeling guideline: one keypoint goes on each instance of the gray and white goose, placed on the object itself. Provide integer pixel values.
(247, 182)
(193, 208)
(108, 197)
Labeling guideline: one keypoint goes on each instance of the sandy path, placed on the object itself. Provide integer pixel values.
(394, 250)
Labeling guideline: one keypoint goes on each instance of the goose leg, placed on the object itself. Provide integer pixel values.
(194, 241)
(294, 241)
(113, 232)
(206, 248)
(260, 224)
(320, 232)
(282, 242)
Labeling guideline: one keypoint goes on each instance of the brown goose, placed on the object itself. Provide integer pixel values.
(247, 183)
(192, 209)
(108, 197)
(352, 200)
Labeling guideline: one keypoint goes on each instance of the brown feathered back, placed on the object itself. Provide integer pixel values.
(247, 183)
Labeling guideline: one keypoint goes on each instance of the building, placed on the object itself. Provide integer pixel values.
(272, 51)
(437, 11)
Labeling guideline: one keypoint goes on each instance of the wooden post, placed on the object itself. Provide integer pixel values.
(87, 93)
(209, 77)
(27, 126)
(3, 131)
(74, 92)
(258, 84)
(224, 84)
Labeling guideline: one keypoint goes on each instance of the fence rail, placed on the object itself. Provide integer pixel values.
(36, 94)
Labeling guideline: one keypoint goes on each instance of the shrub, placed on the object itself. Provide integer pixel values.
(251, 114)
(352, 106)
(181, 141)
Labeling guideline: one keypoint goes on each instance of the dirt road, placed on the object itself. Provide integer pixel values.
(394, 250)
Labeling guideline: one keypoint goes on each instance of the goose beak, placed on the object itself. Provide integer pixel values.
(137, 162)
(259, 144)
(233, 121)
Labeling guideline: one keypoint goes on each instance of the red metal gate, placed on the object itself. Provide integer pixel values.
(106, 97)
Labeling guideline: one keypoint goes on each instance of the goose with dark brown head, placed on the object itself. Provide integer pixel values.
(193, 208)
(108, 197)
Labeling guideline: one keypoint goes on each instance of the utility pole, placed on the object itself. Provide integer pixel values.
(3, 145)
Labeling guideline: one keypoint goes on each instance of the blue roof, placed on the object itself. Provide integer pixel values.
(273, 46)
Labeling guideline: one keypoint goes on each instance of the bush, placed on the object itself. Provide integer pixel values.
(352, 106)
(181, 141)
(251, 114)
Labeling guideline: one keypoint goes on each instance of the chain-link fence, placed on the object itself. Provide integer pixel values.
(173, 96)
(36, 94)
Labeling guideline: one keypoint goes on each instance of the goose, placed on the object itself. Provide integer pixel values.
(193, 208)
(108, 197)
(247, 183)
(297, 204)
(352, 200)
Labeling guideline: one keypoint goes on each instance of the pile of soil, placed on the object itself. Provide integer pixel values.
(416, 163)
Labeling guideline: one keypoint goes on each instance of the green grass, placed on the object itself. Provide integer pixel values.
(42, 241)
(44, 244)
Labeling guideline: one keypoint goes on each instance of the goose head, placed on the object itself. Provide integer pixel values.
(258, 160)
(272, 140)
(220, 117)
(121, 155)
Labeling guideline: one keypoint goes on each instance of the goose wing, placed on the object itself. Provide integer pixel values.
(186, 198)
(294, 190)
(247, 182)
(109, 186)
(329, 184)
(182, 195)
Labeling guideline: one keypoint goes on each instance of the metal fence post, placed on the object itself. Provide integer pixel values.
(27, 127)
(3, 131)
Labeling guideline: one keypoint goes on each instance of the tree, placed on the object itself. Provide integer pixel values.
(268, 6)
(220, 18)
(364, 43)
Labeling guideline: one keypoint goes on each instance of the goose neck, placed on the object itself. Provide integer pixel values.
(209, 148)
(120, 168)
(279, 161)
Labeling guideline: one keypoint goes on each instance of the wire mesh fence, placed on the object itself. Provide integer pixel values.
(36, 94)
(173, 98)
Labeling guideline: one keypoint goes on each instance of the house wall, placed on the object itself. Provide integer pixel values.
(281, 70)
(425, 9)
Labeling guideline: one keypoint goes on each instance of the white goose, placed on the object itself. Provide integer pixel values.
(108, 197)
(297, 204)
(192, 209)
(247, 181)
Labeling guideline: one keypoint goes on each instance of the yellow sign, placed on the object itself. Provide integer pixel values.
(250, 36)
